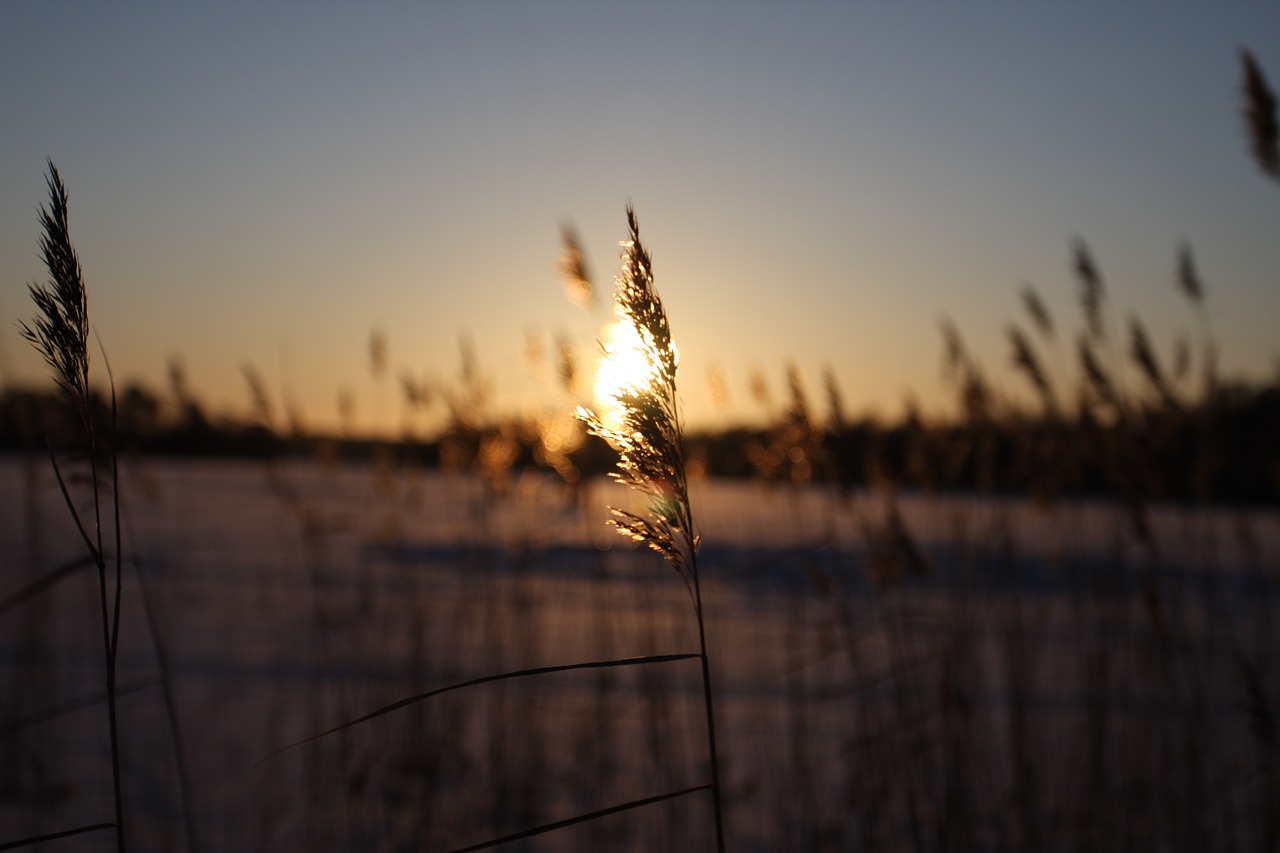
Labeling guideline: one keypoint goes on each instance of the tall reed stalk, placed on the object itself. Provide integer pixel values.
(60, 332)
(647, 434)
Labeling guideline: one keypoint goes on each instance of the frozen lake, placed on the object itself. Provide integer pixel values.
(909, 673)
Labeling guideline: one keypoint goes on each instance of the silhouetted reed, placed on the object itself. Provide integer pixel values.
(1262, 129)
(60, 332)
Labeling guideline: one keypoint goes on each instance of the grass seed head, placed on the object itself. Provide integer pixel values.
(1188, 276)
(1098, 378)
(1091, 290)
(1037, 310)
(647, 434)
(1144, 355)
(60, 332)
(1026, 360)
(1260, 116)
(574, 274)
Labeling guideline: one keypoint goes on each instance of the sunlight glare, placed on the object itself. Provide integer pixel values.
(625, 366)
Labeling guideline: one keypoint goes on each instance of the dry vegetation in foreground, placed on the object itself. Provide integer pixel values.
(1048, 628)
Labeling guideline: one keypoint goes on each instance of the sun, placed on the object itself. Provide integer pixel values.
(625, 366)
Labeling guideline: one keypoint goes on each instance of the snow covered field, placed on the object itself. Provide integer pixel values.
(954, 673)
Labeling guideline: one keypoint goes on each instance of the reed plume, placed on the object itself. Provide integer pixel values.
(61, 331)
(959, 368)
(574, 274)
(1188, 275)
(1037, 310)
(648, 438)
(1191, 285)
(1144, 355)
(836, 419)
(648, 434)
(1097, 377)
(1091, 289)
(1026, 361)
(1260, 116)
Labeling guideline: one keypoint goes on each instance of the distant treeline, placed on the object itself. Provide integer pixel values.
(1222, 451)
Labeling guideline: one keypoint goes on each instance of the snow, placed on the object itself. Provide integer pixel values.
(1050, 683)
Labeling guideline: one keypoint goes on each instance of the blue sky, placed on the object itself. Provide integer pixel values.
(817, 182)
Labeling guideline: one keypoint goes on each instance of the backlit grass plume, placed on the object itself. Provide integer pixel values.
(644, 427)
(639, 367)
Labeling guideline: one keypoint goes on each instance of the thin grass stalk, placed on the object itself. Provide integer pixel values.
(474, 682)
(710, 710)
(70, 706)
(561, 824)
(112, 652)
(48, 581)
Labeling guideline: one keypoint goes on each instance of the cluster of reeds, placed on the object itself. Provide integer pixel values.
(649, 442)
(928, 698)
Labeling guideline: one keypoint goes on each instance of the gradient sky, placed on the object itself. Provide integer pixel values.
(267, 183)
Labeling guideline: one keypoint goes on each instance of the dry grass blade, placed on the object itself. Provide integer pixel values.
(54, 836)
(504, 676)
(1260, 116)
(561, 824)
(49, 580)
(1262, 719)
(79, 703)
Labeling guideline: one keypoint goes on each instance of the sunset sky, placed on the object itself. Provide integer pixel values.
(270, 183)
